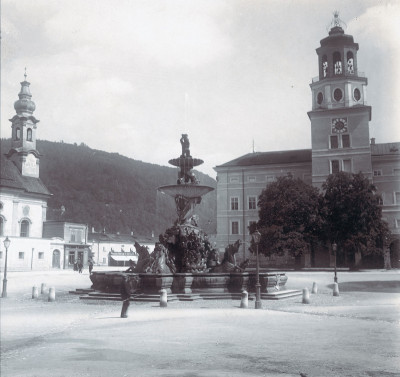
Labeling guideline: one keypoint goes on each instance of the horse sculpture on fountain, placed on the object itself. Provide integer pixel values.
(158, 262)
(228, 263)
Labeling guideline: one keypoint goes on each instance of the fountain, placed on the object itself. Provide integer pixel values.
(184, 262)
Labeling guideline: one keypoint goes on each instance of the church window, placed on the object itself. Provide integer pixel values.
(334, 166)
(320, 98)
(337, 63)
(324, 66)
(347, 166)
(235, 227)
(29, 134)
(252, 202)
(17, 133)
(24, 228)
(337, 94)
(234, 203)
(334, 142)
(346, 141)
(357, 94)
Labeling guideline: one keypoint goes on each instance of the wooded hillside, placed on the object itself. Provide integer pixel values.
(112, 192)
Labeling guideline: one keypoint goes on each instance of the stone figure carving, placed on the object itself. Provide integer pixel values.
(185, 145)
(144, 259)
(228, 263)
(160, 263)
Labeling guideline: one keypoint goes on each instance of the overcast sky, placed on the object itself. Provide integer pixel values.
(132, 76)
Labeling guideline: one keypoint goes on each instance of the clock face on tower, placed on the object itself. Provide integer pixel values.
(339, 125)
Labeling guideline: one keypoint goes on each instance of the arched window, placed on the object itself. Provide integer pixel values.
(337, 63)
(24, 228)
(29, 134)
(324, 66)
(350, 63)
(17, 133)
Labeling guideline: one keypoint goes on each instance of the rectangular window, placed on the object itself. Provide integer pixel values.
(346, 141)
(270, 178)
(21, 255)
(234, 204)
(334, 142)
(41, 255)
(104, 260)
(347, 166)
(334, 166)
(252, 179)
(377, 173)
(234, 179)
(235, 227)
(397, 198)
(396, 171)
(252, 202)
(397, 222)
(1, 255)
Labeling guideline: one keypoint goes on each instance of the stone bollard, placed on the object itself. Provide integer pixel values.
(306, 296)
(335, 289)
(43, 288)
(314, 288)
(244, 303)
(163, 298)
(35, 292)
(52, 294)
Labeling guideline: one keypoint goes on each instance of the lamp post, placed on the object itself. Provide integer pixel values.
(6, 245)
(334, 248)
(256, 236)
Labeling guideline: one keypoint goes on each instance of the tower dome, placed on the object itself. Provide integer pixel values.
(24, 104)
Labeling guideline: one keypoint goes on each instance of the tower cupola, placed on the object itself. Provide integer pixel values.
(24, 106)
(23, 140)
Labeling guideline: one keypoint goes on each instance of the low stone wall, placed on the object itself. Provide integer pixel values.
(186, 283)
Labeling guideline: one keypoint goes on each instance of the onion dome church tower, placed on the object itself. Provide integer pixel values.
(340, 115)
(23, 150)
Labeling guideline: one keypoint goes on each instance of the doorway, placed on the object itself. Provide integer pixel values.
(56, 259)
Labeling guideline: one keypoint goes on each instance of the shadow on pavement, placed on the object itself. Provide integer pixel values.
(392, 286)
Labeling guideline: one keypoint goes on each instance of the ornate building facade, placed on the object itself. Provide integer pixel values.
(340, 141)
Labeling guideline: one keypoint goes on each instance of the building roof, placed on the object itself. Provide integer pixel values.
(11, 177)
(384, 149)
(270, 158)
(117, 238)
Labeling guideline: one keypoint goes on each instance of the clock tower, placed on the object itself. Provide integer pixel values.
(23, 150)
(340, 115)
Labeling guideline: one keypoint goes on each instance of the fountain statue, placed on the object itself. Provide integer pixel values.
(184, 262)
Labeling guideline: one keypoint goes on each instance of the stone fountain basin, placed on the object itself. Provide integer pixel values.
(187, 283)
(187, 191)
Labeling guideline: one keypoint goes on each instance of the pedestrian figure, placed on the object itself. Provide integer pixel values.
(80, 266)
(125, 296)
(75, 266)
(90, 266)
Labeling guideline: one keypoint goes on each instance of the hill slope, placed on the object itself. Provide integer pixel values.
(107, 190)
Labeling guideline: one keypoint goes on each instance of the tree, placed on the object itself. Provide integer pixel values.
(288, 217)
(353, 216)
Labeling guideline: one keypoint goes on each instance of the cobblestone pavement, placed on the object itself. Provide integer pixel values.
(355, 334)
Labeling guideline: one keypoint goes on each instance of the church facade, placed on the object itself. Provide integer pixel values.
(35, 243)
(340, 141)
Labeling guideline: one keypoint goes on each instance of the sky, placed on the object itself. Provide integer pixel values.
(131, 76)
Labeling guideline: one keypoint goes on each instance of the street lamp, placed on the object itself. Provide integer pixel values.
(6, 245)
(334, 248)
(256, 236)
